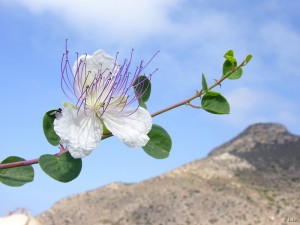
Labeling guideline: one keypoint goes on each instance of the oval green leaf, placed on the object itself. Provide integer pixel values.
(229, 55)
(160, 143)
(48, 128)
(142, 103)
(248, 58)
(236, 75)
(215, 103)
(63, 168)
(228, 66)
(142, 88)
(16, 176)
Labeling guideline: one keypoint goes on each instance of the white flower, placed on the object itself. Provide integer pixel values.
(101, 91)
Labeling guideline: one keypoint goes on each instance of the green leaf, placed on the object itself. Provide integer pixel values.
(236, 75)
(16, 176)
(160, 143)
(48, 128)
(229, 55)
(228, 66)
(63, 168)
(204, 83)
(142, 88)
(215, 103)
(142, 103)
(248, 58)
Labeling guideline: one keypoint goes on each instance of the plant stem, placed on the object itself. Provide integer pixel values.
(184, 102)
(28, 162)
(20, 163)
(187, 101)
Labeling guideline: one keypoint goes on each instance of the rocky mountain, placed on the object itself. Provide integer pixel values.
(252, 179)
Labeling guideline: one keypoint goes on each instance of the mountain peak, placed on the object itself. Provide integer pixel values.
(260, 133)
(271, 129)
(252, 179)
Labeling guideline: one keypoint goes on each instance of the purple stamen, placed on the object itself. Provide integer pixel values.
(105, 86)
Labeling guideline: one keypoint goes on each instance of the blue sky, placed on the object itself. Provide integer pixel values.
(192, 37)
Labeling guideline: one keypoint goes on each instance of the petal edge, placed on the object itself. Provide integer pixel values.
(80, 134)
(130, 125)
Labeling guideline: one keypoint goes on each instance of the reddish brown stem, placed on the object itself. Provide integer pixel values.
(184, 102)
(27, 162)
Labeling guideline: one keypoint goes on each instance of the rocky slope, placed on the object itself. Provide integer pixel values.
(252, 179)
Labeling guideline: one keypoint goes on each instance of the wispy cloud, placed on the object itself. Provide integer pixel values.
(282, 44)
(194, 36)
(250, 105)
(111, 20)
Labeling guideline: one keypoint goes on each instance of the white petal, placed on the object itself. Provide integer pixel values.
(99, 60)
(131, 125)
(81, 134)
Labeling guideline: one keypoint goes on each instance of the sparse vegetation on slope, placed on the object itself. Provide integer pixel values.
(252, 179)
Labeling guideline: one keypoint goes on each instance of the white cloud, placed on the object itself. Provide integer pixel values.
(250, 105)
(282, 44)
(194, 38)
(112, 20)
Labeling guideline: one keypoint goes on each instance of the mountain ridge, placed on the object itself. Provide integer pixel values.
(252, 179)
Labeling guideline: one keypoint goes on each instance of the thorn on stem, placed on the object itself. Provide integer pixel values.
(217, 81)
